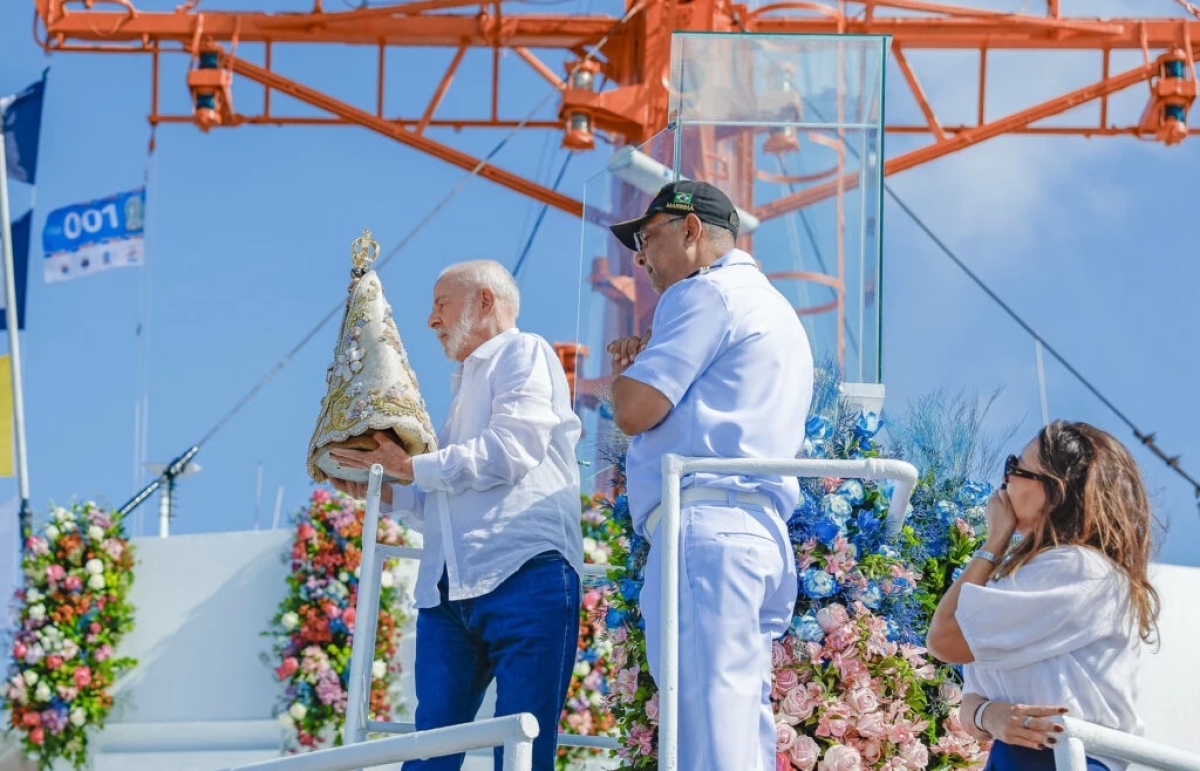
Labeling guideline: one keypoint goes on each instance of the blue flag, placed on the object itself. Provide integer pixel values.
(98, 235)
(22, 124)
(20, 250)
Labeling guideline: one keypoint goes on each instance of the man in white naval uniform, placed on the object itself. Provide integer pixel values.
(727, 373)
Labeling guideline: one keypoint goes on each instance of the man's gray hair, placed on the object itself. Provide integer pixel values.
(722, 237)
(487, 274)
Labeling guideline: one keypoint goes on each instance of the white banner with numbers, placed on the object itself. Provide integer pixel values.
(95, 236)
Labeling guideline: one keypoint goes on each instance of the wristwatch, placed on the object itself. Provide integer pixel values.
(986, 555)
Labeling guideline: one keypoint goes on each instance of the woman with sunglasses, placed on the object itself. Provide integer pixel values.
(1053, 623)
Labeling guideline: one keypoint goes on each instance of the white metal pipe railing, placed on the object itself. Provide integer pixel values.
(513, 732)
(564, 739)
(674, 468)
(366, 615)
(1082, 737)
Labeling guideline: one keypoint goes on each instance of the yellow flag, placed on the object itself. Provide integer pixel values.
(6, 418)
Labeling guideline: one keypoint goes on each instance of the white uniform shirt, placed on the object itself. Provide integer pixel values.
(732, 357)
(505, 484)
(1056, 633)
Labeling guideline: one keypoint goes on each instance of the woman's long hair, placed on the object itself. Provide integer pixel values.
(1094, 497)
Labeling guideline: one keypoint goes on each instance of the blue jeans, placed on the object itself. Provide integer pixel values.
(524, 634)
(1007, 757)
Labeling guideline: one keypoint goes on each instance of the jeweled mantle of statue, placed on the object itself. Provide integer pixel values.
(370, 385)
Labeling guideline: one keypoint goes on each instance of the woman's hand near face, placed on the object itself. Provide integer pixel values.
(1001, 522)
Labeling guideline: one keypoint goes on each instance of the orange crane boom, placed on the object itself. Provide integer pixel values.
(614, 81)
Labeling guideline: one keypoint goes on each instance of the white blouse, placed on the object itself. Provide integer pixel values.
(1057, 632)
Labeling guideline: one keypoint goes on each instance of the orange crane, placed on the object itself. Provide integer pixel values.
(611, 76)
(620, 88)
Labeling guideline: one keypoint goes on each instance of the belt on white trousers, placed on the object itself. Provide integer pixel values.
(710, 495)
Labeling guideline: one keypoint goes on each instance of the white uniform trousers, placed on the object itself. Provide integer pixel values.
(737, 592)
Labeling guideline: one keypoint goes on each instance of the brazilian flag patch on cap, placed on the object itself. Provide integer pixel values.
(683, 198)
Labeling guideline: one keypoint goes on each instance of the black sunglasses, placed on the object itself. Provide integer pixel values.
(1011, 469)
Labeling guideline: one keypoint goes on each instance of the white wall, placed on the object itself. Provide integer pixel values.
(1170, 695)
(202, 602)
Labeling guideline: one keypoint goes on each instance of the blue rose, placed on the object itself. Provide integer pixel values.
(614, 618)
(630, 589)
(806, 628)
(852, 491)
(837, 508)
(816, 583)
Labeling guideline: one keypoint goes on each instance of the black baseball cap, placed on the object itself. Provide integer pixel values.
(683, 197)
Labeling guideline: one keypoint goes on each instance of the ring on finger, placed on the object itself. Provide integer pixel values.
(1027, 721)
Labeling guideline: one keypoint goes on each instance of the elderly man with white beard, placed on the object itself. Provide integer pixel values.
(498, 589)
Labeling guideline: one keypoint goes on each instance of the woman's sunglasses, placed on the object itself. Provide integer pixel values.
(1011, 469)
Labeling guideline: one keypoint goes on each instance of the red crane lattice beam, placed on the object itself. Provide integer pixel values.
(629, 56)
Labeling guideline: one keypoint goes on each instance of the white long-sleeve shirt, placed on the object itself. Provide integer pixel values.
(1057, 632)
(505, 484)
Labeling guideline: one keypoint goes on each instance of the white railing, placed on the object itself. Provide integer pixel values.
(366, 621)
(1082, 738)
(674, 468)
(513, 732)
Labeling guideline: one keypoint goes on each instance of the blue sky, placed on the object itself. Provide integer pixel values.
(248, 246)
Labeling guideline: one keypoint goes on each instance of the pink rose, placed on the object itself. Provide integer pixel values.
(321, 496)
(94, 627)
(780, 655)
(19, 651)
(103, 652)
(32, 719)
(872, 751)
(798, 703)
(832, 724)
(55, 572)
(915, 754)
(862, 701)
(785, 680)
(871, 725)
(804, 753)
(785, 737)
(832, 617)
(37, 736)
(83, 677)
(841, 757)
(53, 662)
(951, 692)
(783, 762)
